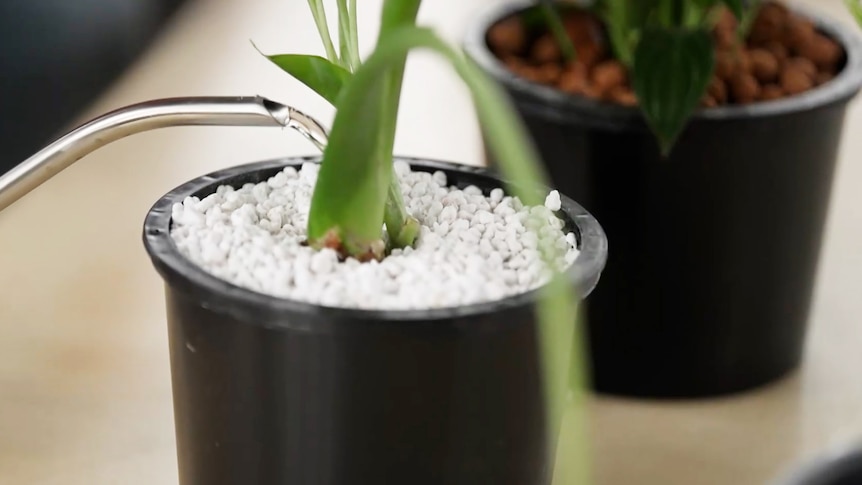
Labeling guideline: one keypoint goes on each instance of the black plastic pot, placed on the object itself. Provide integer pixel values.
(715, 249)
(274, 391)
(842, 467)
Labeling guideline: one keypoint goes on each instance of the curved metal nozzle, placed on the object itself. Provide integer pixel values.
(149, 115)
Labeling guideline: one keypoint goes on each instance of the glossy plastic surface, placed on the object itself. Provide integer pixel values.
(275, 391)
(715, 250)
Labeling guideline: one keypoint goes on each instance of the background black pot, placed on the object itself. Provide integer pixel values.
(842, 467)
(715, 249)
(275, 391)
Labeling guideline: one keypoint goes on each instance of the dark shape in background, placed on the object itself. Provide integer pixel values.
(58, 56)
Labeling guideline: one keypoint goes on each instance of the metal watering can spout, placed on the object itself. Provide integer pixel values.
(149, 115)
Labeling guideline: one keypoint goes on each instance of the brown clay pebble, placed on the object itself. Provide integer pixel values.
(507, 36)
(582, 28)
(768, 24)
(778, 50)
(590, 91)
(608, 75)
(545, 49)
(725, 65)
(803, 65)
(823, 78)
(794, 80)
(531, 73)
(823, 52)
(578, 68)
(515, 64)
(743, 60)
(744, 88)
(726, 21)
(623, 95)
(777, 9)
(574, 78)
(717, 90)
(549, 73)
(798, 32)
(764, 65)
(771, 92)
(708, 102)
(590, 53)
(724, 38)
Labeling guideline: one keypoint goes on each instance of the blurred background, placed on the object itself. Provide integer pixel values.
(59, 55)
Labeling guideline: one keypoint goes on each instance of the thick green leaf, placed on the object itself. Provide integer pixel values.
(354, 156)
(396, 14)
(324, 77)
(352, 144)
(672, 69)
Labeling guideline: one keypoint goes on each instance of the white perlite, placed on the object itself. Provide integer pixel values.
(471, 248)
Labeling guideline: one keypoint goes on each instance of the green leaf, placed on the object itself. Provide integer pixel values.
(624, 21)
(324, 77)
(855, 8)
(558, 31)
(352, 154)
(672, 69)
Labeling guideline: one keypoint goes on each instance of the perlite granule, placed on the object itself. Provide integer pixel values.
(471, 248)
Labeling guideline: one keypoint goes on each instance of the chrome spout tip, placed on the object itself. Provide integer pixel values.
(293, 118)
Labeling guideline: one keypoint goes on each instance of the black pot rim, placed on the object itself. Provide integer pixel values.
(223, 296)
(840, 89)
(826, 468)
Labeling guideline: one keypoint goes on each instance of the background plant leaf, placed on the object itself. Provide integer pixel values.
(324, 77)
(352, 154)
(855, 8)
(555, 25)
(672, 69)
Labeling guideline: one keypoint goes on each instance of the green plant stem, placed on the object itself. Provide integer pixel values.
(354, 31)
(400, 226)
(396, 214)
(319, 14)
(348, 54)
